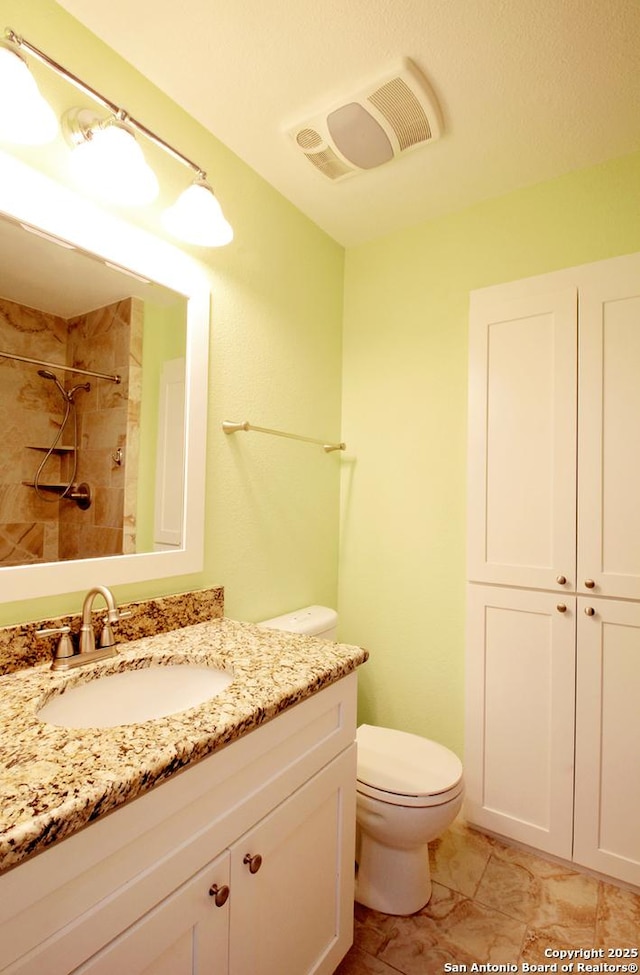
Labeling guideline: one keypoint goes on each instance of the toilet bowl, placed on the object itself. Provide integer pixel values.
(409, 790)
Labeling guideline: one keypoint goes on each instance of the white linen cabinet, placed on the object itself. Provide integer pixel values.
(553, 635)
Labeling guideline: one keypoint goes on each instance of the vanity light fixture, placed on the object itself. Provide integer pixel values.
(197, 218)
(107, 159)
(25, 116)
(106, 155)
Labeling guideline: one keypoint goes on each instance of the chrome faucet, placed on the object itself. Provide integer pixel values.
(65, 655)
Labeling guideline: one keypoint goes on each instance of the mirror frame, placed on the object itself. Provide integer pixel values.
(30, 197)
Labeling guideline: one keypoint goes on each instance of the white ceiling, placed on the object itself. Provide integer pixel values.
(528, 89)
(67, 282)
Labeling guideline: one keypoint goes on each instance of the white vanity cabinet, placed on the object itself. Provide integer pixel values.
(143, 890)
(553, 561)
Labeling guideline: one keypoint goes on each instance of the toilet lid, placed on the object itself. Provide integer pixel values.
(405, 765)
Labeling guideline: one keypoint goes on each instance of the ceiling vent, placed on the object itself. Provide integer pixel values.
(392, 115)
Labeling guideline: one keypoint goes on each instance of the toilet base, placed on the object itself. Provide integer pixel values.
(392, 881)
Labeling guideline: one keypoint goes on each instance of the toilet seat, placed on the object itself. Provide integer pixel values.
(405, 769)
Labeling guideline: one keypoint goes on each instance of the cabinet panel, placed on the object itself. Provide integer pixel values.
(522, 450)
(609, 445)
(520, 715)
(187, 934)
(607, 837)
(295, 913)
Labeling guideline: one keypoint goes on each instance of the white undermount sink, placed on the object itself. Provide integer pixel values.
(132, 696)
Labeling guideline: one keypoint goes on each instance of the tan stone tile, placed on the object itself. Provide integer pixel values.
(459, 857)
(548, 896)
(536, 943)
(618, 918)
(359, 962)
(451, 929)
(370, 928)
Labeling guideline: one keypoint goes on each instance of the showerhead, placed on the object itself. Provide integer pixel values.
(68, 395)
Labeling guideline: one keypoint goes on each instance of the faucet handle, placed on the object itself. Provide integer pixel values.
(64, 647)
(107, 639)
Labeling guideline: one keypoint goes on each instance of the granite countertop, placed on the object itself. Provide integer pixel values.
(54, 780)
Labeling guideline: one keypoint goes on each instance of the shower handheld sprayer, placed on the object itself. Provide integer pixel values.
(68, 396)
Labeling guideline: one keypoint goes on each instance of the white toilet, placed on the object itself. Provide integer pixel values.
(409, 790)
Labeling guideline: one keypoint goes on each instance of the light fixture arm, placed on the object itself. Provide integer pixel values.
(116, 110)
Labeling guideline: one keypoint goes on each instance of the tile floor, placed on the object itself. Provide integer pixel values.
(493, 904)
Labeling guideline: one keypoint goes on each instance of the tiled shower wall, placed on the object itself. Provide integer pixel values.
(107, 340)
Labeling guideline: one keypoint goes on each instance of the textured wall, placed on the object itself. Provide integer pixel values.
(272, 505)
(402, 569)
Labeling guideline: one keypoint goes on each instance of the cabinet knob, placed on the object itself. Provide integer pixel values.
(590, 611)
(589, 583)
(221, 894)
(561, 580)
(562, 607)
(254, 862)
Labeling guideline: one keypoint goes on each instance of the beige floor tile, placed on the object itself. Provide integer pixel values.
(451, 929)
(458, 859)
(536, 943)
(370, 928)
(494, 904)
(359, 962)
(550, 897)
(618, 920)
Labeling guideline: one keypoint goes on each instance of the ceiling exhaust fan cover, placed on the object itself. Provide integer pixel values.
(392, 115)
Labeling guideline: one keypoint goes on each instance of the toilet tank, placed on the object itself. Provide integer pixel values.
(317, 621)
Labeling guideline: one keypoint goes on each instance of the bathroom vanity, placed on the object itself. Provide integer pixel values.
(219, 839)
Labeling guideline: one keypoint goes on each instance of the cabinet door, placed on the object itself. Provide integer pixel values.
(520, 715)
(295, 912)
(186, 934)
(609, 440)
(522, 440)
(607, 834)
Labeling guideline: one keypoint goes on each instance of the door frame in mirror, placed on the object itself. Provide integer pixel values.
(30, 197)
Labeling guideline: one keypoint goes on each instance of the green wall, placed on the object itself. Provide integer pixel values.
(402, 565)
(271, 534)
(278, 326)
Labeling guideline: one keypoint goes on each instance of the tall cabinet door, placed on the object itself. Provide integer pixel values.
(607, 794)
(609, 431)
(520, 715)
(522, 440)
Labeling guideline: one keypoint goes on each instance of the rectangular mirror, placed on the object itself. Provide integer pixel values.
(103, 375)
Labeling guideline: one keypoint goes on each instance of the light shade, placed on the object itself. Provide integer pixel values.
(197, 218)
(110, 164)
(25, 117)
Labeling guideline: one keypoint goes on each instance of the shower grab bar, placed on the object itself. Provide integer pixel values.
(230, 427)
(58, 365)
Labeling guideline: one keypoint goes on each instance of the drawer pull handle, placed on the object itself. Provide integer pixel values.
(561, 580)
(590, 611)
(254, 862)
(561, 607)
(221, 894)
(589, 583)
